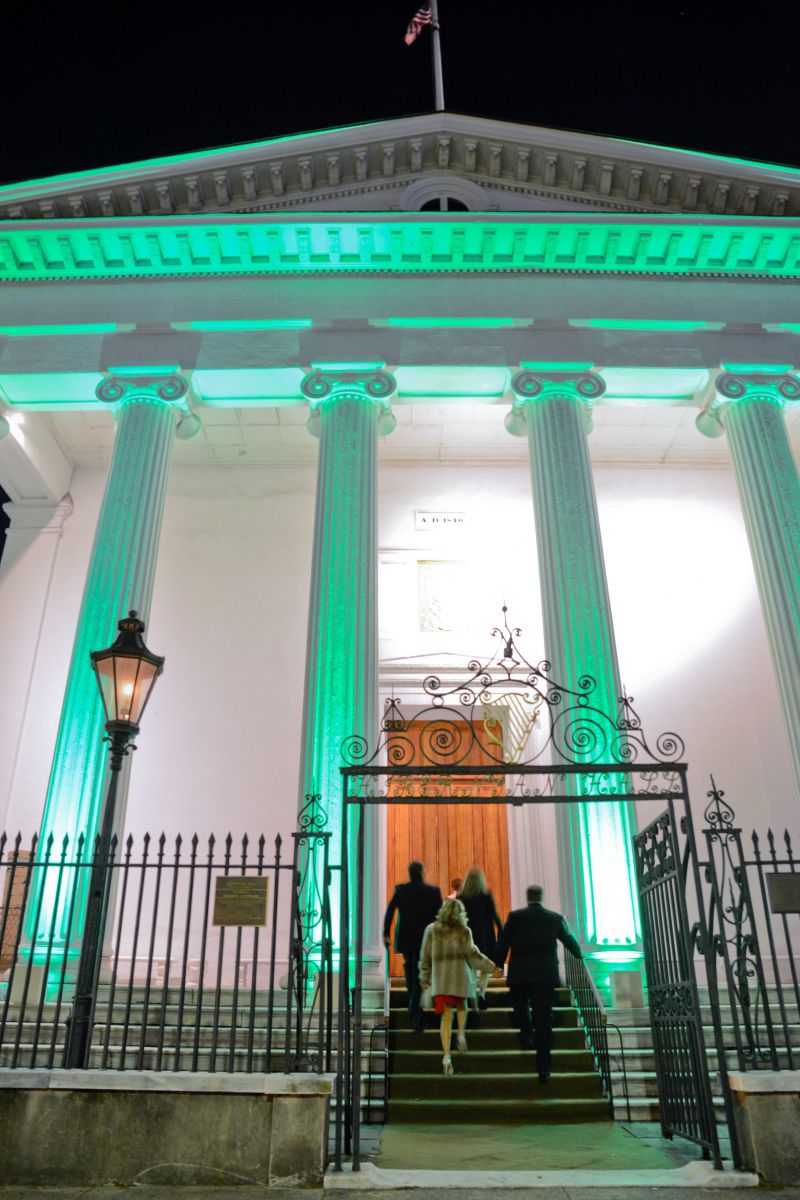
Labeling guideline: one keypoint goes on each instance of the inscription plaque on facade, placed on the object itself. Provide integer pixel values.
(241, 901)
(784, 893)
(424, 519)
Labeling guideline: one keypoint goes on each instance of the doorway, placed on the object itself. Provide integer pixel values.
(449, 838)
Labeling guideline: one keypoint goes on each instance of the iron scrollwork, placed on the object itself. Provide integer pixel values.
(733, 932)
(510, 712)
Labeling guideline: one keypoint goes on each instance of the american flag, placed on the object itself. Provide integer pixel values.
(421, 18)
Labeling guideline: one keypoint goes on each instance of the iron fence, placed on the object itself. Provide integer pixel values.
(217, 956)
(753, 916)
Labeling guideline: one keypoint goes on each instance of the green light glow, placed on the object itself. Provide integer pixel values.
(645, 326)
(120, 577)
(758, 369)
(241, 326)
(135, 371)
(451, 382)
(451, 322)
(56, 390)
(341, 655)
(57, 330)
(347, 366)
(595, 850)
(70, 250)
(556, 366)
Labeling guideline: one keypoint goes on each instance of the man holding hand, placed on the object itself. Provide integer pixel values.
(531, 935)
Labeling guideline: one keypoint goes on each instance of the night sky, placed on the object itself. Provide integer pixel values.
(82, 90)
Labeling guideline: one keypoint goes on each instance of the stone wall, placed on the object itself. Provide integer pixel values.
(83, 1128)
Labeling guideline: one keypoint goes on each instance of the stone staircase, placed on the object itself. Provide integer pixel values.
(494, 1081)
(203, 1034)
(636, 1037)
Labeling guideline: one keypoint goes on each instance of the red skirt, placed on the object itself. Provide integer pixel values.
(440, 1002)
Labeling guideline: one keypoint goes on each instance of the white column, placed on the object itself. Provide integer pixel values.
(120, 577)
(349, 411)
(595, 851)
(748, 408)
(26, 572)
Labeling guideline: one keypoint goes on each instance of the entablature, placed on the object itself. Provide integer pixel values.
(344, 244)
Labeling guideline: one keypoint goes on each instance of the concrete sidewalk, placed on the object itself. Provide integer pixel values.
(251, 1193)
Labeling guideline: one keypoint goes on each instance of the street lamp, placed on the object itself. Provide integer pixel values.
(126, 673)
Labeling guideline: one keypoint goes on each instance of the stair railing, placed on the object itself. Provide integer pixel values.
(593, 1017)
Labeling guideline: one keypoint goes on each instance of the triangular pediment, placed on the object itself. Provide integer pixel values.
(411, 163)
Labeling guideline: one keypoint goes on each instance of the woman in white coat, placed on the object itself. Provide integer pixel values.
(447, 964)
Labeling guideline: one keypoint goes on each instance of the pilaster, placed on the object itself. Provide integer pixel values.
(748, 408)
(120, 577)
(349, 410)
(595, 853)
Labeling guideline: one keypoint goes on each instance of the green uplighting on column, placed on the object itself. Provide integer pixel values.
(120, 577)
(349, 410)
(595, 837)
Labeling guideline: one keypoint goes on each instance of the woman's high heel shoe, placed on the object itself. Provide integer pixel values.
(447, 1065)
(461, 1042)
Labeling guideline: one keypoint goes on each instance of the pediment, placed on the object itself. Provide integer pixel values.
(403, 165)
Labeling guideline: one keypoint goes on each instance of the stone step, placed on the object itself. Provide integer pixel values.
(497, 997)
(485, 1089)
(471, 1111)
(501, 1040)
(488, 1062)
(491, 1018)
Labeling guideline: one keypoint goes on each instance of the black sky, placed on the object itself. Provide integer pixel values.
(94, 88)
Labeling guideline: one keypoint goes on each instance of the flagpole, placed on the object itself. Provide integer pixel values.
(438, 80)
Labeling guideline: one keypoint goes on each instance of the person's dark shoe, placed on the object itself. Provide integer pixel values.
(418, 1026)
(483, 1003)
(544, 1077)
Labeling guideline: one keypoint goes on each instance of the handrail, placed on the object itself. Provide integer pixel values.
(381, 1027)
(593, 1015)
(611, 1025)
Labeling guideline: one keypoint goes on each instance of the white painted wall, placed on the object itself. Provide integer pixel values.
(220, 743)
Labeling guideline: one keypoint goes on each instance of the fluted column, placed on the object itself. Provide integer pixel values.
(748, 408)
(594, 840)
(348, 412)
(120, 578)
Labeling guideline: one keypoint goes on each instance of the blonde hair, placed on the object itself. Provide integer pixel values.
(452, 914)
(474, 884)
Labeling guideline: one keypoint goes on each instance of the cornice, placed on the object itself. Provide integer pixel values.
(341, 244)
(309, 170)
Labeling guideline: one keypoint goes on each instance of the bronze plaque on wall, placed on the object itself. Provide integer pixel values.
(241, 901)
(784, 892)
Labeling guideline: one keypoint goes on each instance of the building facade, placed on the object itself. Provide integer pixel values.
(318, 407)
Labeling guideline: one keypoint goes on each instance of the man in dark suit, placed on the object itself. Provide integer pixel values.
(531, 935)
(416, 904)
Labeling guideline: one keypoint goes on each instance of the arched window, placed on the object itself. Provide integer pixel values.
(444, 204)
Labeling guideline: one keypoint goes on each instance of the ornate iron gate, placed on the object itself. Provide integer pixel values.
(666, 858)
(583, 755)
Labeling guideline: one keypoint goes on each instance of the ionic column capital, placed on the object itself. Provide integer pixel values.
(732, 388)
(534, 387)
(170, 389)
(125, 389)
(325, 388)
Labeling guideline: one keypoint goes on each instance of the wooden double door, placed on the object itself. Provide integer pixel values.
(448, 838)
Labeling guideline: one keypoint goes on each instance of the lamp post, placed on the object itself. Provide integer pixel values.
(126, 672)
